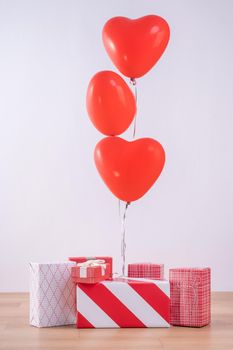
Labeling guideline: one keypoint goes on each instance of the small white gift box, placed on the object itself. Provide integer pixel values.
(52, 294)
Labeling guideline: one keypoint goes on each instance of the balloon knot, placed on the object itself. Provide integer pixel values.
(133, 81)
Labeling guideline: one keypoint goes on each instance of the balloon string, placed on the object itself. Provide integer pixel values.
(134, 83)
(123, 228)
(123, 243)
(119, 207)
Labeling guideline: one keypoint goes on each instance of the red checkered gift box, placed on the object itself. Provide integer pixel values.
(146, 270)
(81, 259)
(91, 271)
(190, 296)
(123, 302)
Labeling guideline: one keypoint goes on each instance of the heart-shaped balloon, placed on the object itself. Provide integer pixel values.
(110, 103)
(135, 45)
(129, 169)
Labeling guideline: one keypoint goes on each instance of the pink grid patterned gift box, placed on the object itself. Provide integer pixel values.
(146, 270)
(52, 294)
(190, 296)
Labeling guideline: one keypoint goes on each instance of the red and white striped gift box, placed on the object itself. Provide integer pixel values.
(190, 296)
(146, 270)
(90, 274)
(123, 303)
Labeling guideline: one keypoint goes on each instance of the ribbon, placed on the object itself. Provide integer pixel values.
(91, 263)
(193, 286)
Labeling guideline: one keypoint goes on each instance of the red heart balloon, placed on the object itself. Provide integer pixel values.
(110, 103)
(129, 169)
(135, 45)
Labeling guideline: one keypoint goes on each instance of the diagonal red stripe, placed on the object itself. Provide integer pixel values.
(82, 322)
(111, 305)
(154, 296)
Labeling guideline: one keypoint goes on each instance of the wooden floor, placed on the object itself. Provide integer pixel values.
(15, 332)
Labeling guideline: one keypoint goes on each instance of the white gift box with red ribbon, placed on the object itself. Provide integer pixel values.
(123, 302)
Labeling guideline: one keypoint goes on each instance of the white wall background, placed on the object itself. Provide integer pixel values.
(52, 202)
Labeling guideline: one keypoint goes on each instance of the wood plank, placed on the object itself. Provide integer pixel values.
(15, 332)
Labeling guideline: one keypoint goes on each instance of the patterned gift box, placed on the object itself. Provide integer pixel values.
(52, 294)
(146, 270)
(190, 296)
(123, 302)
(90, 274)
(81, 259)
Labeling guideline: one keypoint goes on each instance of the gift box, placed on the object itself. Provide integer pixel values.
(190, 296)
(52, 294)
(91, 271)
(146, 270)
(81, 259)
(123, 303)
